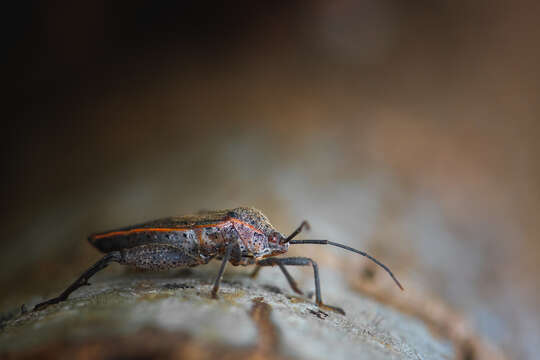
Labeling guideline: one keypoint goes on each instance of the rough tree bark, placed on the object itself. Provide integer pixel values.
(171, 315)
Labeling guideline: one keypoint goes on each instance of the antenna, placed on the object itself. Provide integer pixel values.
(303, 225)
(326, 242)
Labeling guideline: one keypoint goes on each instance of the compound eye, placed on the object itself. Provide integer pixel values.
(280, 239)
(274, 238)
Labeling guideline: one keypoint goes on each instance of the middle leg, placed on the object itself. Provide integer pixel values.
(226, 258)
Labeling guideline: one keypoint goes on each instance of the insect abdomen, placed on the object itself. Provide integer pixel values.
(157, 257)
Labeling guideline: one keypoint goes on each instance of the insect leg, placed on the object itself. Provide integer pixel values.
(288, 276)
(114, 256)
(255, 272)
(302, 261)
(221, 270)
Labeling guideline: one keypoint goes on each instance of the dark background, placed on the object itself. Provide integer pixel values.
(409, 129)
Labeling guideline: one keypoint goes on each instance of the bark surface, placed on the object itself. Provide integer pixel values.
(171, 315)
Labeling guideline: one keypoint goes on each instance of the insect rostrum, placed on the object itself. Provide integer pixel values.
(241, 236)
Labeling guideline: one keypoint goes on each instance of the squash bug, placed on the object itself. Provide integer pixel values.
(241, 236)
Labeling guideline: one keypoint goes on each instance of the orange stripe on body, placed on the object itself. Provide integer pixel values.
(136, 230)
(248, 225)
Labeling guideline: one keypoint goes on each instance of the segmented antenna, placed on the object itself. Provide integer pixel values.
(303, 225)
(326, 242)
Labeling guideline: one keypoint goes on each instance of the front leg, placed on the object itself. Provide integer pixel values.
(302, 261)
(286, 273)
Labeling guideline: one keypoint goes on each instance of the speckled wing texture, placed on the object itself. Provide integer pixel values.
(186, 221)
(135, 235)
(168, 230)
(253, 217)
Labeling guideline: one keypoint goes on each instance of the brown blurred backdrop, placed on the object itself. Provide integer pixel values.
(408, 129)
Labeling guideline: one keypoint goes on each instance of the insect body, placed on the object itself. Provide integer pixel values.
(241, 236)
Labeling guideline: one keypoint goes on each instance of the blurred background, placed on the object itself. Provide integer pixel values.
(407, 129)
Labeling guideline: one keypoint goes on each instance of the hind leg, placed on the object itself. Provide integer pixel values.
(114, 256)
(150, 256)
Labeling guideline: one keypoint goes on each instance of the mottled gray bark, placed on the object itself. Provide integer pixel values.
(172, 315)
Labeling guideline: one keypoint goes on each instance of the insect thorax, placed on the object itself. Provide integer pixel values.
(257, 237)
(253, 217)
